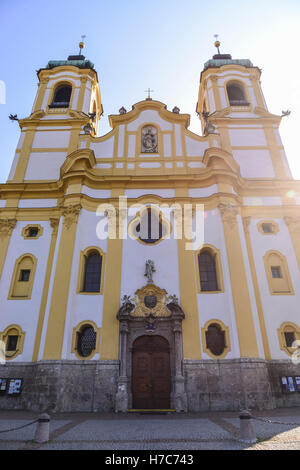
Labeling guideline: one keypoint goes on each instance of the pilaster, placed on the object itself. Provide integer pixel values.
(239, 283)
(60, 292)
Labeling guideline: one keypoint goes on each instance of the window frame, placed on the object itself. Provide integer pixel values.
(246, 103)
(166, 224)
(216, 254)
(17, 331)
(77, 330)
(81, 272)
(281, 262)
(287, 327)
(25, 231)
(224, 328)
(16, 277)
(52, 94)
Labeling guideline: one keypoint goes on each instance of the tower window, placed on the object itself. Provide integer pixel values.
(62, 97)
(236, 95)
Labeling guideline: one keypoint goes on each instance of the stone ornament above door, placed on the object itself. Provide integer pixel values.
(150, 300)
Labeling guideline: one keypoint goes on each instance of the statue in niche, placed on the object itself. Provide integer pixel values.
(149, 139)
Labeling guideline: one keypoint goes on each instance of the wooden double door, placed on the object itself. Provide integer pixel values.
(151, 373)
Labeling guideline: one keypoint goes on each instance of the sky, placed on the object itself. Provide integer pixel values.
(161, 44)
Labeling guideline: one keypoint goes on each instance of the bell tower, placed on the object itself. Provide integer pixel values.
(231, 102)
(67, 103)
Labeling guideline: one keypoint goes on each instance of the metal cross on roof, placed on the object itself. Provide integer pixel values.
(148, 91)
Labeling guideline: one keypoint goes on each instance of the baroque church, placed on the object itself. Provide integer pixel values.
(113, 297)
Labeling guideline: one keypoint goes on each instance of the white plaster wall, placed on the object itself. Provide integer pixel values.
(75, 98)
(254, 163)
(203, 192)
(165, 258)
(45, 165)
(87, 100)
(262, 201)
(218, 306)
(57, 139)
(167, 145)
(247, 137)
(83, 307)
(103, 149)
(277, 308)
(222, 93)
(148, 116)
(24, 313)
(46, 98)
(211, 99)
(2, 203)
(135, 193)
(96, 193)
(286, 164)
(178, 143)
(131, 145)
(13, 166)
(28, 203)
(121, 141)
(194, 147)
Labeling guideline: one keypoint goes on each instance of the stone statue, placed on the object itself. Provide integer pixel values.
(149, 270)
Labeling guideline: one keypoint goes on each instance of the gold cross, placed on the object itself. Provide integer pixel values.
(148, 91)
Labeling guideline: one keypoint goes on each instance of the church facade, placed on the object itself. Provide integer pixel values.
(149, 268)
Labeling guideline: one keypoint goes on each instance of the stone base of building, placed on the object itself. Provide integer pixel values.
(92, 386)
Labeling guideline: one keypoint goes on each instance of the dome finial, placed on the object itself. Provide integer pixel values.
(81, 44)
(217, 43)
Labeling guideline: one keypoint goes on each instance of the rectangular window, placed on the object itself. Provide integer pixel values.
(267, 228)
(24, 275)
(276, 272)
(33, 231)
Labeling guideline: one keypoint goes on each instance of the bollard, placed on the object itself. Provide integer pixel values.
(247, 433)
(42, 429)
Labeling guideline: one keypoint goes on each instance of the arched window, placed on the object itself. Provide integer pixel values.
(278, 273)
(61, 97)
(236, 95)
(92, 272)
(23, 277)
(215, 337)
(207, 271)
(85, 340)
(149, 229)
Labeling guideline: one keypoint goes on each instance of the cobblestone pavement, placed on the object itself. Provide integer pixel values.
(197, 431)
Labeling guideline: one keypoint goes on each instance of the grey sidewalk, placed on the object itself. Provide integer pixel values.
(214, 430)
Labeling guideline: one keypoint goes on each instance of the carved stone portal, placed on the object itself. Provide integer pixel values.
(151, 313)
